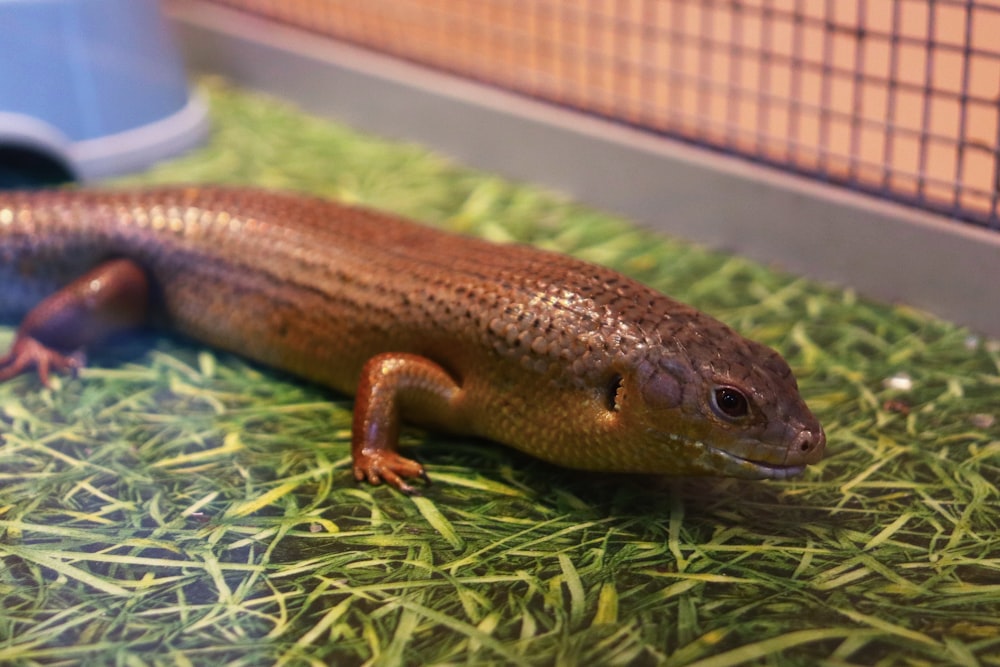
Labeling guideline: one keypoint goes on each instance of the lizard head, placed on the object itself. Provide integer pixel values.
(718, 405)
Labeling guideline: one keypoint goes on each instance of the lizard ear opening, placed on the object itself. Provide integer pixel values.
(615, 393)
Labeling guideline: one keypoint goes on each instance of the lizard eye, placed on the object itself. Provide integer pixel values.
(730, 403)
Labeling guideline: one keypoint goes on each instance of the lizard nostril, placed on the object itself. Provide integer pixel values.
(808, 441)
(812, 442)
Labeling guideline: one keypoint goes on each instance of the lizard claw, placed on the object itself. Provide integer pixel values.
(27, 353)
(378, 466)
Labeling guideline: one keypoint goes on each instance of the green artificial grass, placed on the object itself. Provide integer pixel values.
(176, 505)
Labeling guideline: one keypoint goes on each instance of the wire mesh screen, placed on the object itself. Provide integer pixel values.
(897, 97)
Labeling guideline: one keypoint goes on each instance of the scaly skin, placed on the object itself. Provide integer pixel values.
(565, 360)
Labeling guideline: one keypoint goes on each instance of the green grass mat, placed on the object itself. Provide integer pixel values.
(175, 505)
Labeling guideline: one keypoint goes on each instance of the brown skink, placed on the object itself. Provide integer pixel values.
(570, 362)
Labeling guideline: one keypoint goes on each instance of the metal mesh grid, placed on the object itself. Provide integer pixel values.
(896, 97)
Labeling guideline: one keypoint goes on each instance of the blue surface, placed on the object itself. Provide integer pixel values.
(91, 67)
(75, 71)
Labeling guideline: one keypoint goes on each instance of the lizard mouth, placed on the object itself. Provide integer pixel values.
(732, 465)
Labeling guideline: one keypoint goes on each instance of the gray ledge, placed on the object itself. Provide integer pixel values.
(884, 250)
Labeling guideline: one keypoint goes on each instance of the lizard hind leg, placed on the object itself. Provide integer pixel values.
(111, 297)
(388, 382)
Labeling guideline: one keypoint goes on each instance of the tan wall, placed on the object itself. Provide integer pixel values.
(896, 96)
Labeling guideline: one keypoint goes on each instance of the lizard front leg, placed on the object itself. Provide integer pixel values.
(388, 382)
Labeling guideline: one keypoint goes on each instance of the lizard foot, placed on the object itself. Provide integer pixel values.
(378, 466)
(27, 353)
